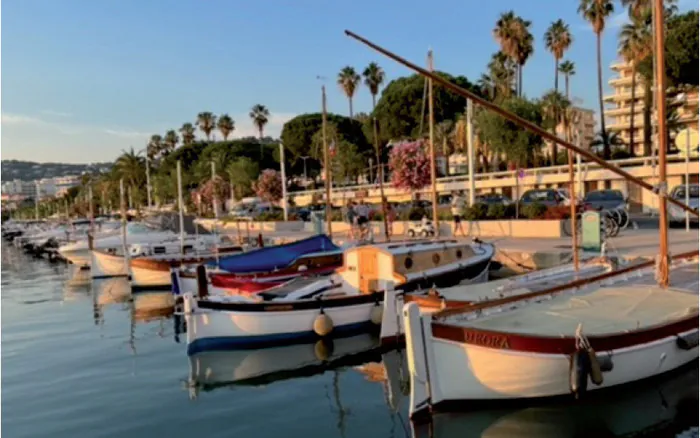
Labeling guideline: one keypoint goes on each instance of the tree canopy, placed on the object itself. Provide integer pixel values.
(400, 106)
(298, 133)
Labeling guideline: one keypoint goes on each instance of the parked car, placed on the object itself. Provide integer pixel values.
(547, 197)
(493, 198)
(604, 200)
(675, 214)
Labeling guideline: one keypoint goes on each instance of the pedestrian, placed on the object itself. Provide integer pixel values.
(457, 207)
(351, 217)
(362, 211)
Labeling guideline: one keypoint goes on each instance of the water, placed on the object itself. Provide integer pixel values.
(89, 361)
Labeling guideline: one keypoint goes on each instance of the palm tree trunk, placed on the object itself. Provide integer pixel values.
(260, 136)
(520, 80)
(634, 84)
(350, 100)
(606, 143)
(566, 81)
(556, 74)
(647, 117)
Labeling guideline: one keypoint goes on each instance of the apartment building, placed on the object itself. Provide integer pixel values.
(618, 114)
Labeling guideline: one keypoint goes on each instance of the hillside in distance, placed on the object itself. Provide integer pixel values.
(29, 170)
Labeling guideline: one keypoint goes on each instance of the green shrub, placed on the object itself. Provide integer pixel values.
(270, 216)
(496, 211)
(534, 210)
(476, 212)
(619, 154)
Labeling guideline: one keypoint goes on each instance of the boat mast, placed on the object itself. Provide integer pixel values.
(148, 179)
(215, 204)
(285, 207)
(572, 190)
(431, 122)
(469, 115)
(122, 202)
(661, 132)
(180, 208)
(326, 163)
(380, 177)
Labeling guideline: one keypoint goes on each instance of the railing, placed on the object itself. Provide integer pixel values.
(533, 172)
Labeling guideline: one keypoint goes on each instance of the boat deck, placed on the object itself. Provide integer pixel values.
(628, 304)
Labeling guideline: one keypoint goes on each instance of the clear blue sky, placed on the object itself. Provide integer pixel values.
(84, 79)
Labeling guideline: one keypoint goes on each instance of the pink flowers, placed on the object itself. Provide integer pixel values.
(268, 186)
(410, 166)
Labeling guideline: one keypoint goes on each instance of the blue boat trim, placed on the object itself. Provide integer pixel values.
(273, 340)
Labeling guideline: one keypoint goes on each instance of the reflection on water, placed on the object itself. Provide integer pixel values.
(88, 358)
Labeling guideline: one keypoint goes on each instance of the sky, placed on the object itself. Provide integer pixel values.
(83, 80)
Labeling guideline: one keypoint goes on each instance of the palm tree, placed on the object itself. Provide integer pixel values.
(554, 109)
(259, 114)
(596, 12)
(131, 166)
(505, 34)
(348, 81)
(170, 141)
(502, 74)
(226, 125)
(568, 69)
(374, 77)
(154, 147)
(522, 48)
(602, 138)
(634, 46)
(557, 39)
(187, 131)
(206, 122)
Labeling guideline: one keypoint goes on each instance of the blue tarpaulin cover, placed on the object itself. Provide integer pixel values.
(275, 257)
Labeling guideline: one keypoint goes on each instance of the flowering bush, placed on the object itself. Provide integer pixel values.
(410, 166)
(268, 186)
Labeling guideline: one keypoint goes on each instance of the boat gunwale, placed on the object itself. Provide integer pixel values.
(287, 306)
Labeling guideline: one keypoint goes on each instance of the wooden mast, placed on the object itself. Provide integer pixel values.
(326, 163)
(661, 132)
(572, 195)
(518, 120)
(431, 122)
(380, 177)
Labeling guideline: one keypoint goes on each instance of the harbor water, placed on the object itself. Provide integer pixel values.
(88, 359)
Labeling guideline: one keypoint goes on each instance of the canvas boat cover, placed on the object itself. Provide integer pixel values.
(275, 257)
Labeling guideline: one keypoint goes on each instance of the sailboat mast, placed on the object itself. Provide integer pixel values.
(326, 162)
(122, 204)
(180, 208)
(214, 200)
(662, 139)
(431, 122)
(148, 179)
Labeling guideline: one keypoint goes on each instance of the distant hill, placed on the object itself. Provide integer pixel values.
(29, 170)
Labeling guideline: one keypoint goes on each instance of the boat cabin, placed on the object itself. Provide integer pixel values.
(372, 268)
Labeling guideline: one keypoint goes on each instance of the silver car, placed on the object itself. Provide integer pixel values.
(677, 215)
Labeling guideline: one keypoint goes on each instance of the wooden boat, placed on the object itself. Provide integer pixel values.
(235, 274)
(466, 295)
(153, 272)
(612, 329)
(340, 305)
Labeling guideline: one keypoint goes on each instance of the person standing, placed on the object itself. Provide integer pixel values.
(350, 217)
(362, 211)
(457, 207)
(390, 217)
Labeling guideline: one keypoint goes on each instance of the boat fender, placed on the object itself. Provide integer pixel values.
(202, 286)
(687, 342)
(606, 363)
(579, 369)
(376, 314)
(174, 282)
(595, 371)
(323, 324)
(323, 349)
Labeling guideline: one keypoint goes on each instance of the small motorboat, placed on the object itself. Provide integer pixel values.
(608, 330)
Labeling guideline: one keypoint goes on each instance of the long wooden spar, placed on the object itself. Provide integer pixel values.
(520, 121)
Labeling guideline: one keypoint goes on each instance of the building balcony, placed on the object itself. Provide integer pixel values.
(625, 110)
(619, 65)
(618, 81)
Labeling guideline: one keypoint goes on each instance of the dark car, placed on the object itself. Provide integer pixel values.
(604, 200)
(493, 198)
(547, 197)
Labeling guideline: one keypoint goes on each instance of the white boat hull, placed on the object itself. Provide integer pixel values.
(103, 265)
(467, 372)
(216, 329)
(78, 257)
(143, 278)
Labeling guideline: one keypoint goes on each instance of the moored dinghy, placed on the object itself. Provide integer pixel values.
(347, 302)
(614, 329)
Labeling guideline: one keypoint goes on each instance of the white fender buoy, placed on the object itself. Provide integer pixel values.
(323, 324)
(376, 315)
